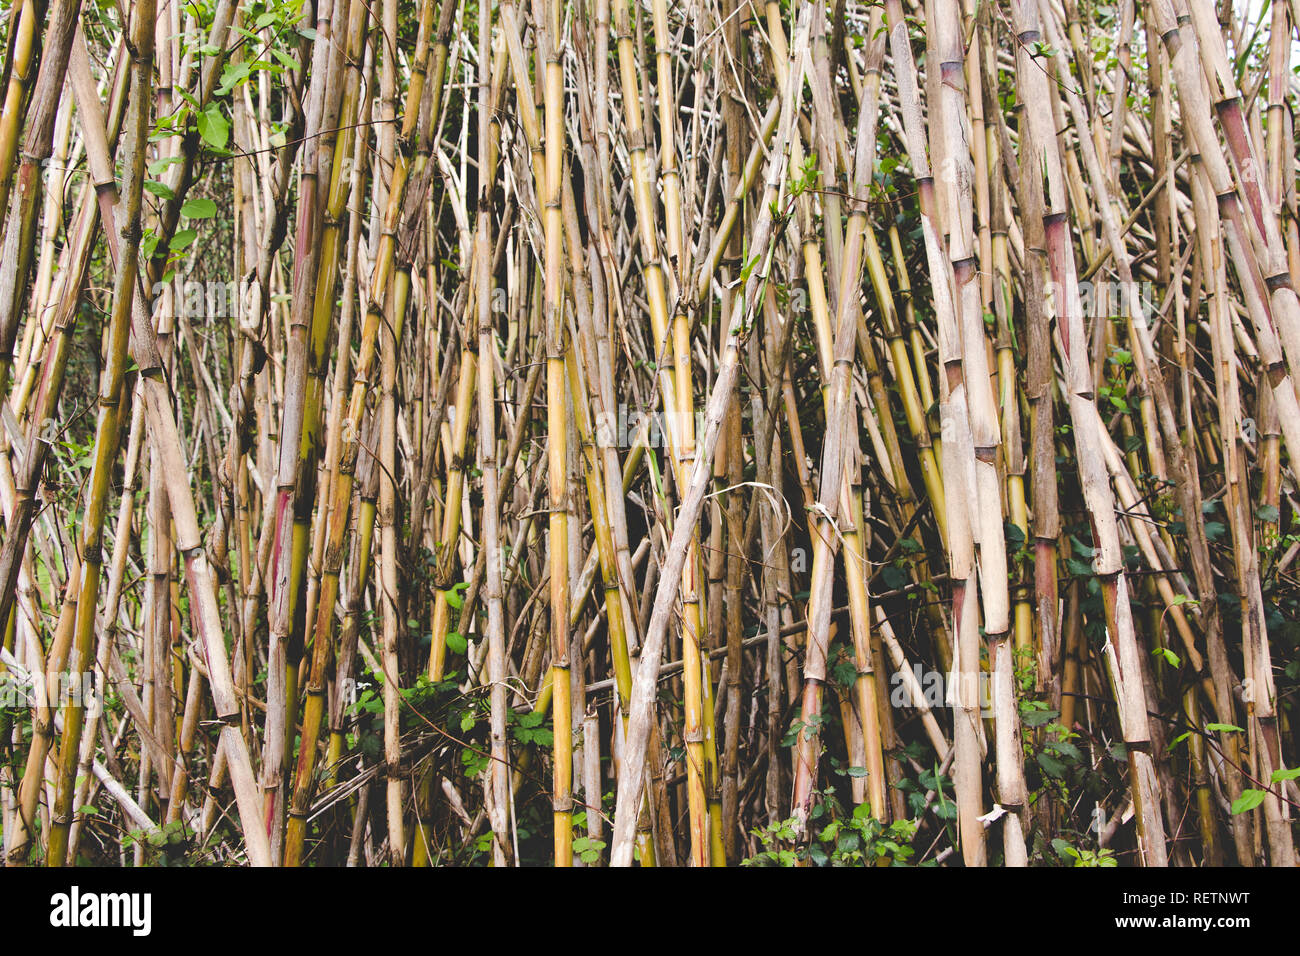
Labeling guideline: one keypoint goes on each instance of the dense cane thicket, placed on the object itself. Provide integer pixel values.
(584, 432)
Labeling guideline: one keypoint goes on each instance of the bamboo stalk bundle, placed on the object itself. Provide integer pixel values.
(914, 456)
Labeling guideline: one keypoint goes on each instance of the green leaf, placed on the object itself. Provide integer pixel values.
(1038, 718)
(1066, 749)
(199, 209)
(1248, 801)
(213, 127)
(846, 673)
(158, 165)
(1051, 766)
(456, 643)
(1224, 728)
(857, 771)
(1077, 568)
(159, 189)
(1170, 657)
(182, 239)
(286, 60)
(1284, 774)
(1064, 850)
(232, 76)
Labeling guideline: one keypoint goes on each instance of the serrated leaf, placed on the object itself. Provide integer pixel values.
(1051, 766)
(1038, 718)
(1067, 749)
